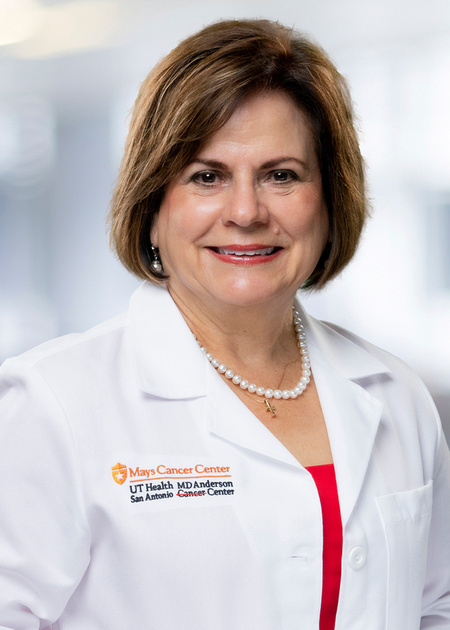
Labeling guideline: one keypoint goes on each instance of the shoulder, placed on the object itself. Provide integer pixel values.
(70, 358)
(355, 356)
(67, 345)
(372, 367)
(391, 361)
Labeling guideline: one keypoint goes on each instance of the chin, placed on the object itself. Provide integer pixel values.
(251, 295)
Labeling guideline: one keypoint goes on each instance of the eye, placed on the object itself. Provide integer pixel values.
(205, 177)
(282, 176)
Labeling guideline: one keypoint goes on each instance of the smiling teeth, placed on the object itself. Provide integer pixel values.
(250, 252)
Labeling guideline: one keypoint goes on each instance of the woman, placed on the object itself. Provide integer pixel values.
(215, 458)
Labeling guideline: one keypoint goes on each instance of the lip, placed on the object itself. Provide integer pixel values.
(248, 254)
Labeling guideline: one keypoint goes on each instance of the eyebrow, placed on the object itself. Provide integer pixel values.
(269, 164)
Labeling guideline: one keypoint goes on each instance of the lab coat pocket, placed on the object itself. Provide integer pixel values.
(406, 520)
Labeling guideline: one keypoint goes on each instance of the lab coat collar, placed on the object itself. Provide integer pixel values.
(336, 345)
(166, 357)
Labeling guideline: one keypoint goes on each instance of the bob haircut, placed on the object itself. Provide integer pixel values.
(195, 89)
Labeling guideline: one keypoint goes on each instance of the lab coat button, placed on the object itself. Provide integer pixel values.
(357, 557)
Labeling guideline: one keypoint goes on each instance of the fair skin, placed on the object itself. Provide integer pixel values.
(239, 230)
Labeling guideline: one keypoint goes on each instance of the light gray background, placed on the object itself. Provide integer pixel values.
(69, 72)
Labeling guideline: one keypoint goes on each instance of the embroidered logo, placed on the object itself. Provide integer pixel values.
(119, 473)
(164, 481)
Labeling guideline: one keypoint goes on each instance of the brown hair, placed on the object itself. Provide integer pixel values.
(195, 89)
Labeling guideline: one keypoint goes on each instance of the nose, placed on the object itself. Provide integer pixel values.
(244, 206)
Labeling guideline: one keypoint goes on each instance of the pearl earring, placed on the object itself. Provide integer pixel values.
(156, 264)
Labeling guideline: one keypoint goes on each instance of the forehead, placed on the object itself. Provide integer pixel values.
(264, 122)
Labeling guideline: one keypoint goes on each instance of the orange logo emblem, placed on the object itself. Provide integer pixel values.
(119, 473)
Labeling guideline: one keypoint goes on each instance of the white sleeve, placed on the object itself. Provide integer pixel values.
(436, 596)
(44, 535)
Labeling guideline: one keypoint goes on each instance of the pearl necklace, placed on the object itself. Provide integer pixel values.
(268, 393)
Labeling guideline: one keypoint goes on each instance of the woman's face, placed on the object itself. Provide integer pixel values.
(245, 222)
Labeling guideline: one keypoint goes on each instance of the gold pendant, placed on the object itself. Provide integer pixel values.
(270, 407)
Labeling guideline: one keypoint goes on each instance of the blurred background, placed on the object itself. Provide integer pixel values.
(69, 73)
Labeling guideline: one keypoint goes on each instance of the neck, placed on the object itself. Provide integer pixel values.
(251, 335)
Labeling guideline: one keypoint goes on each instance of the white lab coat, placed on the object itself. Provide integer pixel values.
(207, 522)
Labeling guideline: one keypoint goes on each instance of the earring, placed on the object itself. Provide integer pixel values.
(156, 264)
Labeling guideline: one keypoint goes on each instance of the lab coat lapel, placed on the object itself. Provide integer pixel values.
(352, 417)
(341, 367)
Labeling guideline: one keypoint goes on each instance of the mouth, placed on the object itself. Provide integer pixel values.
(247, 251)
(245, 254)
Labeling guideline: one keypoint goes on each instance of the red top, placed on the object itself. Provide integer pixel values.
(325, 480)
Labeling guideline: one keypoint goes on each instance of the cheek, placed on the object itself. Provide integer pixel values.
(185, 220)
(308, 219)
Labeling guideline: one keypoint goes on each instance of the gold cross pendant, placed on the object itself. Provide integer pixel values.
(270, 407)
